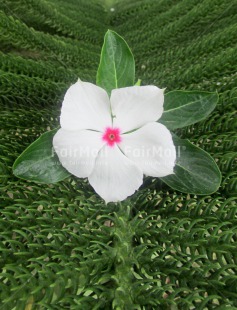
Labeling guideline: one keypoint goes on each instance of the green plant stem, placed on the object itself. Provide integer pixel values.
(124, 232)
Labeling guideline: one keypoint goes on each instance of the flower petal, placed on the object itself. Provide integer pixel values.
(151, 148)
(85, 106)
(77, 150)
(136, 106)
(115, 177)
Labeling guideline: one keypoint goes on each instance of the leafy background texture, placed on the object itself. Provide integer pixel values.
(61, 247)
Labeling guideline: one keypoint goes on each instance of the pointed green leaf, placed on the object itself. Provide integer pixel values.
(117, 67)
(183, 108)
(39, 162)
(195, 171)
(138, 83)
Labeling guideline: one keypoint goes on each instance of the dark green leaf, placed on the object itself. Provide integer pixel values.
(39, 162)
(183, 108)
(195, 172)
(117, 67)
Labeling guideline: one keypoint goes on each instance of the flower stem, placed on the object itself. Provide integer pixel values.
(124, 232)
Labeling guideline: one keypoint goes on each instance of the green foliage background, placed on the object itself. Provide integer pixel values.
(61, 247)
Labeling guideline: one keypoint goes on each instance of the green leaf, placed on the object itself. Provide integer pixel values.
(117, 67)
(138, 83)
(183, 108)
(195, 171)
(39, 162)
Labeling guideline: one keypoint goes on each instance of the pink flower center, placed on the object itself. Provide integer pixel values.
(111, 136)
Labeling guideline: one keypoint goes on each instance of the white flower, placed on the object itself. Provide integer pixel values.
(113, 142)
